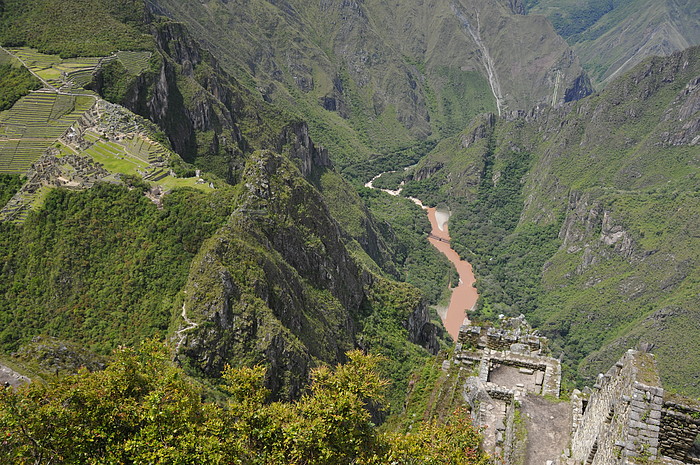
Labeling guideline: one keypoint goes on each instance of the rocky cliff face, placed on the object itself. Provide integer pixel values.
(427, 70)
(277, 285)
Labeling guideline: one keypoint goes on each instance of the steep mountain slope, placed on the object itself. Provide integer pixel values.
(252, 268)
(373, 77)
(611, 37)
(585, 217)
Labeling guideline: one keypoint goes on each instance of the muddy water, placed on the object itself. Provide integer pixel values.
(464, 295)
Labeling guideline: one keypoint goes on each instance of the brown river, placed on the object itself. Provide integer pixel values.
(464, 296)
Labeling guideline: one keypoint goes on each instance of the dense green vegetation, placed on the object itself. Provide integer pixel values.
(580, 219)
(142, 409)
(85, 27)
(366, 170)
(9, 184)
(81, 266)
(508, 262)
(421, 264)
(15, 82)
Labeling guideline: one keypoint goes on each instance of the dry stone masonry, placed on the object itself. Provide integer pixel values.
(625, 418)
(509, 364)
(628, 418)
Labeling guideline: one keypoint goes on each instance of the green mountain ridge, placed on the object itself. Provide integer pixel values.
(611, 37)
(255, 270)
(583, 217)
(375, 79)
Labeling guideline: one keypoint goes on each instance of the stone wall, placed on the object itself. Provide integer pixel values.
(680, 427)
(502, 339)
(628, 419)
(619, 423)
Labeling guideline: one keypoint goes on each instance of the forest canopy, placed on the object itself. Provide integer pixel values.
(144, 409)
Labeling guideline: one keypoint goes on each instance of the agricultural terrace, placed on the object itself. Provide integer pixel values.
(58, 72)
(134, 62)
(135, 155)
(33, 124)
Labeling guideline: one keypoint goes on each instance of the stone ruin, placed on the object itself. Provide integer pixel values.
(509, 365)
(625, 418)
(71, 171)
(628, 418)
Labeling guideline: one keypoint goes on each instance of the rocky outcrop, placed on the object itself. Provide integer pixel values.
(295, 141)
(277, 285)
(581, 87)
(482, 128)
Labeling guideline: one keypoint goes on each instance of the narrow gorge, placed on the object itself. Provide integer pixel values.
(463, 296)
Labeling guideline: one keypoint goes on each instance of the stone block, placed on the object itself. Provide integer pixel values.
(539, 377)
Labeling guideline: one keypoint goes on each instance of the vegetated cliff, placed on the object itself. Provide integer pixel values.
(585, 217)
(277, 285)
(366, 88)
(611, 37)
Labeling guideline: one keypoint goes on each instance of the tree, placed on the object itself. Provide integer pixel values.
(143, 409)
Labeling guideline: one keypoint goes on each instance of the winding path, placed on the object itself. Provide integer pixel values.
(181, 332)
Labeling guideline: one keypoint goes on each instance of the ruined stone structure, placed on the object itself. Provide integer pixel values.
(509, 365)
(628, 418)
(71, 171)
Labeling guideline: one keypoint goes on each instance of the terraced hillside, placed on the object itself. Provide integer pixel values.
(34, 123)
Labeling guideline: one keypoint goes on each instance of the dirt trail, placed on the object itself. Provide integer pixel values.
(11, 377)
(181, 332)
(548, 424)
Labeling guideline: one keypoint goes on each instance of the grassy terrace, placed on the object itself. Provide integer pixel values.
(134, 62)
(134, 156)
(58, 71)
(33, 124)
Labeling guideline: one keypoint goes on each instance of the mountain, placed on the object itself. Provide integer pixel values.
(610, 37)
(583, 217)
(234, 234)
(377, 79)
(191, 210)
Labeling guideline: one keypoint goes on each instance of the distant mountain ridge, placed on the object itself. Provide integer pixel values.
(611, 37)
(375, 78)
